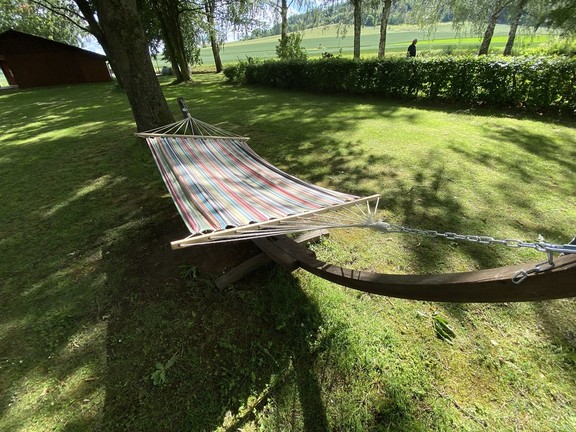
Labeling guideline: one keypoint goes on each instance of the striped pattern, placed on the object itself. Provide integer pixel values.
(220, 183)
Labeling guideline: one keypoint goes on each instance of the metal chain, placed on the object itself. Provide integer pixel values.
(541, 245)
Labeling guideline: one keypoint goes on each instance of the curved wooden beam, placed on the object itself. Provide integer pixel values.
(483, 286)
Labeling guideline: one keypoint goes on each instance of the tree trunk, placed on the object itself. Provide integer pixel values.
(181, 56)
(216, 51)
(514, 27)
(490, 29)
(168, 16)
(357, 27)
(175, 67)
(89, 15)
(284, 18)
(168, 43)
(384, 28)
(210, 7)
(120, 23)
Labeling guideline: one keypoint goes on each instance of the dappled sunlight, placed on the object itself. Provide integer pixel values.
(71, 188)
(93, 299)
(58, 350)
(84, 340)
(57, 384)
(47, 130)
(52, 118)
(9, 328)
(99, 183)
(483, 193)
(42, 402)
(75, 271)
(520, 357)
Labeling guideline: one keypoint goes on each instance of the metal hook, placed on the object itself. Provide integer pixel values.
(538, 268)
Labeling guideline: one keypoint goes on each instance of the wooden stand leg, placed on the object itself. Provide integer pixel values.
(262, 259)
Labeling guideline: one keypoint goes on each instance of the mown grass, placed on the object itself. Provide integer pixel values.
(93, 303)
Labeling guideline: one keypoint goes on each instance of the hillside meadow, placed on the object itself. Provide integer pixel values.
(338, 40)
(103, 327)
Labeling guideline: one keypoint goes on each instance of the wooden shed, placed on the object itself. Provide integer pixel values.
(32, 61)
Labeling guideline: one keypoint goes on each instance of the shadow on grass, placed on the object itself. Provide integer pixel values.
(520, 167)
(556, 318)
(68, 190)
(93, 302)
(254, 352)
(424, 199)
(232, 347)
(79, 271)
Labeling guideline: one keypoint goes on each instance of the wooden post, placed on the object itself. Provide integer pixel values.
(184, 108)
(187, 116)
(262, 259)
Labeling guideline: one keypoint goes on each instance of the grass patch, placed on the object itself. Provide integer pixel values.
(102, 327)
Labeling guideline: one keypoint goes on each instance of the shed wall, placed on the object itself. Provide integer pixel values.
(37, 62)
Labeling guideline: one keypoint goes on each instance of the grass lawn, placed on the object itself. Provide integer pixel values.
(103, 327)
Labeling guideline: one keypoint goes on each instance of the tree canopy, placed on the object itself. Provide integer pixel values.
(560, 15)
(38, 19)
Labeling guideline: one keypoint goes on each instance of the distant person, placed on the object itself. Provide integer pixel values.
(412, 49)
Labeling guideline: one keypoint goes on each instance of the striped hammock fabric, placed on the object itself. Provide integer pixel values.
(224, 190)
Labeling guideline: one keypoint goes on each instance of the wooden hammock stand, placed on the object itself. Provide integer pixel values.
(540, 281)
(483, 286)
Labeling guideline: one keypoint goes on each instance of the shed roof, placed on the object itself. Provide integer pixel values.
(16, 42)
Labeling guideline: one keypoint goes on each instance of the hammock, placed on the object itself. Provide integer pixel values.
(224, 191)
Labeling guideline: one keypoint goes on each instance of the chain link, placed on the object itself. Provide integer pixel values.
(540, 246)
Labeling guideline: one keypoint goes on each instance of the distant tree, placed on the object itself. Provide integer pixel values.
(169, 14)
(482, 15)
(357, 8)
(559, 15)
(428, 13)
(290, 48)
(210, 13)
(518, 10)
(283, 18)
(282, 6)
(170, 24)
(369, 21)
(386, 8)
(497, 7)
(219, 15)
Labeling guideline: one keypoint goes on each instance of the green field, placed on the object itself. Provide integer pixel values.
(320, 40)
(3, 80)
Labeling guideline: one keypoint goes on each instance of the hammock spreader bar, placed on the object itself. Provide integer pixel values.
(307, 221)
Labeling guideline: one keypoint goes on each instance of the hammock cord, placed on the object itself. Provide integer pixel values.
(191, 127)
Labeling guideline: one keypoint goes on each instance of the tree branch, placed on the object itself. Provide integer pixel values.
(64, 13)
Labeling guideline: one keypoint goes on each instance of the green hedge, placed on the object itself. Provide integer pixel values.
(538, 83)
